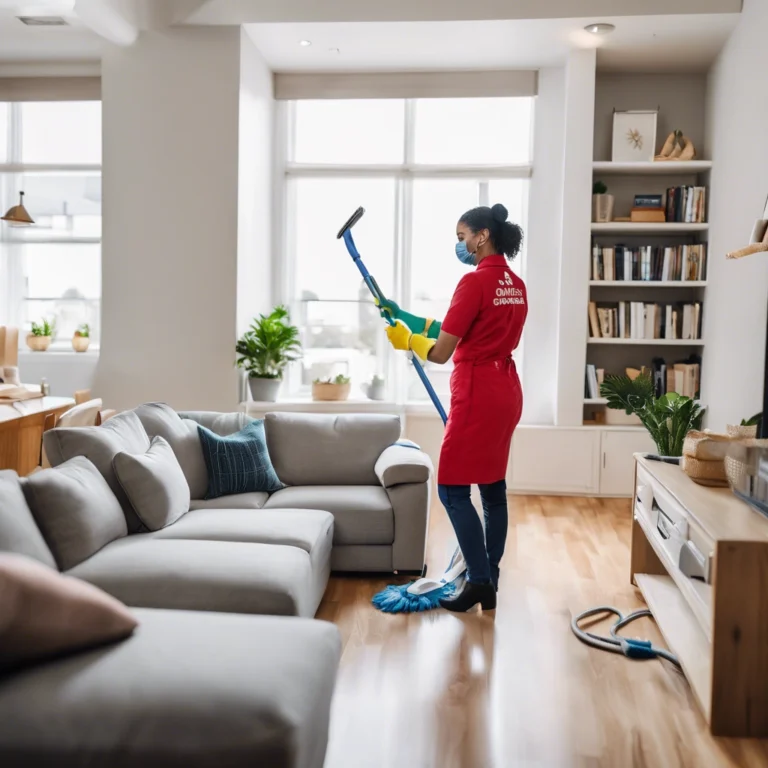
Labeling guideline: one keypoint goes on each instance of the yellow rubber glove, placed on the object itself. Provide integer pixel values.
(400, 337)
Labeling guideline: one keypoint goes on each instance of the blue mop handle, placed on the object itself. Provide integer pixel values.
(373, 287)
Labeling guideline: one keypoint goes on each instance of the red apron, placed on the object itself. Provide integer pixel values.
(486, 404)
(487, 313)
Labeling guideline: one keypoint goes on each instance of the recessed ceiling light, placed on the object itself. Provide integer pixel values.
(600, 28)
(305, 43)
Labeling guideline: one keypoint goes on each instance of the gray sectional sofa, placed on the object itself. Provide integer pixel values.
(197, 684)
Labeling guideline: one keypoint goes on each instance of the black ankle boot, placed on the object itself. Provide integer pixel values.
(469, 596)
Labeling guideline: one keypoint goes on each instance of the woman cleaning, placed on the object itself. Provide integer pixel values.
(483, 327)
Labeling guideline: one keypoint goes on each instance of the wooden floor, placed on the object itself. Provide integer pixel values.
(514, 688)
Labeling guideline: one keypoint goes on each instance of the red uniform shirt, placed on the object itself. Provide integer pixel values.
(487, 312)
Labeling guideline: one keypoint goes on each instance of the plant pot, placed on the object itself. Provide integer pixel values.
(264, 390)
(737, 430)
(375, 390)
(81, 343)
(602, 208)
(38, 343)
(325, 392)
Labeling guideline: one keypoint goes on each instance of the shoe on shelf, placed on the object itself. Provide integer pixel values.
(469, 596)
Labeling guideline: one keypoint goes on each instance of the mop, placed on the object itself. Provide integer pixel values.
(423, 594)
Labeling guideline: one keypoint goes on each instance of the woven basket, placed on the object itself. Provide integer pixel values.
(742, 461)
(737, 430)
(706, 446)
(705, 472)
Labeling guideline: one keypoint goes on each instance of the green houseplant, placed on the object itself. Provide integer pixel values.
(668, 419)
(41, 335)
(331, 389)
(82, 338)
(265, 350)
(602, 203)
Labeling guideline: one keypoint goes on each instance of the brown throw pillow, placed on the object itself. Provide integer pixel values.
(43, 613)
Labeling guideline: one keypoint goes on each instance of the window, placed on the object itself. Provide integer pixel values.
(415, 166)
(52, 270)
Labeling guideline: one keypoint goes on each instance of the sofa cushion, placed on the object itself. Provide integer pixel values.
(154, 483)
(323, 449)
(362, 514)
(230, 577)
(123, 432)
(238, 463)
(221, 423)
(45, 614)
(75, 509)
(187, 689)
(18, 531)
(307, 529)
(160, 420)
(236, 501)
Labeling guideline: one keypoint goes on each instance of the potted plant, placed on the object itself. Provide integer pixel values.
(265, 350)
(41, 335)
(668, 419)
(331, 389)
(602, 203)
(747, 428)
(375, 390)
(82, 338)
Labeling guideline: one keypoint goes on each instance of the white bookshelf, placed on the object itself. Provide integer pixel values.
(634, 228)
(663, 168)
(648, 283)
(649, 342)
(615, 354)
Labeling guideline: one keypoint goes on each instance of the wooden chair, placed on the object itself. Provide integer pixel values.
(82, 396)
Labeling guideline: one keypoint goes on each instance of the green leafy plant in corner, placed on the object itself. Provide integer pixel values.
(83, 331)
(45, 328)
(668, 419)
(269, 345)
(599, 188)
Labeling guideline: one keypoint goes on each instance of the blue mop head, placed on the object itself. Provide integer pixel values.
(397, 599)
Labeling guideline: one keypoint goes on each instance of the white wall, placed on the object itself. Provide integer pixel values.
(255, 184)
(737, 291)
(170, 239)
(66, 372)
(545, 208)
(575, 236)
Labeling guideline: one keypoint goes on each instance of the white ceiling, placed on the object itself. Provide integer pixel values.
(641, 43)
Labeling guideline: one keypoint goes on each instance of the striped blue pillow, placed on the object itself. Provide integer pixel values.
(238, 463)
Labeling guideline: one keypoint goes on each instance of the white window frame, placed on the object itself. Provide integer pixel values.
(404, 174)
(11, 275)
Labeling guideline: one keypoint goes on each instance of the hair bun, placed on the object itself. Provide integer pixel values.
(499, 213)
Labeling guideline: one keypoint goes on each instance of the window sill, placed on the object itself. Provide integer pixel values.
(59, 355)
(299, 405)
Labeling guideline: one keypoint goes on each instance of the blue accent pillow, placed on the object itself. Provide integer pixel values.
(238, 463)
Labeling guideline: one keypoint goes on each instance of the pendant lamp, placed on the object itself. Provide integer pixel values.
(17, 215)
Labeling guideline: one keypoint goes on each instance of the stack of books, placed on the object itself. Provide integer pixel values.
(648, 262)
(638, 320)
(686, 205)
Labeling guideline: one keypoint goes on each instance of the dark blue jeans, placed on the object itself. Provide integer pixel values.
(482, 553)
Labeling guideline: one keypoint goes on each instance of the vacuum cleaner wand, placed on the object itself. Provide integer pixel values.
(345, 233)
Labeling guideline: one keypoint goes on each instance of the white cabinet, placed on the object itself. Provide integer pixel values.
(617, 463)
(558, 460)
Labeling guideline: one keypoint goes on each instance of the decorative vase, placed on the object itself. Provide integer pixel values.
(264, 390)
(81, 343)
(38, 343)
(325, 391)
(602, 208)
(375, 390)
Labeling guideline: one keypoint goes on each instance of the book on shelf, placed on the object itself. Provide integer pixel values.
(684, 377)
(649, 263)
(686, 205)
(641, 320)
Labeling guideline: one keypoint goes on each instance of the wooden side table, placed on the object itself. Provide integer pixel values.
(21, 431)
(716, 619)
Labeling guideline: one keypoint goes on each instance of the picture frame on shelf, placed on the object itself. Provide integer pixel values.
(634, 136)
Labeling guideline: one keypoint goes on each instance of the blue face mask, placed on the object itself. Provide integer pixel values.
(463, 254)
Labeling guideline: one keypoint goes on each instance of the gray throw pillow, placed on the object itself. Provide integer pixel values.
(123, 432)
(160, 420)
(75, 509)
(154, 483)
(18, 532)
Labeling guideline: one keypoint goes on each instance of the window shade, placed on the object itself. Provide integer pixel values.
(407, 85)
(50, 88)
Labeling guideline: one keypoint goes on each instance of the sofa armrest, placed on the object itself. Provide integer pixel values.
(403, 464)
